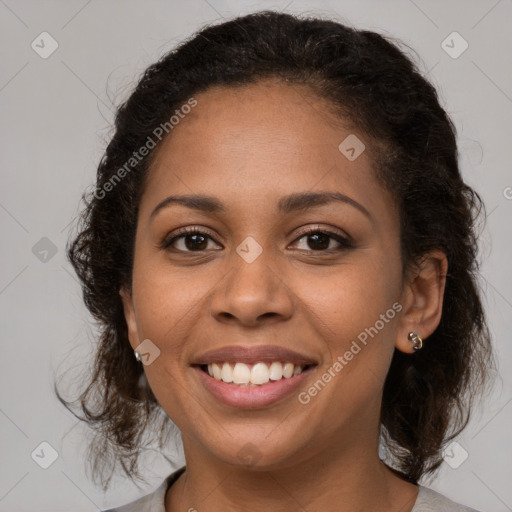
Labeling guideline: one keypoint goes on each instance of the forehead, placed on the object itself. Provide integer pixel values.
(267, 119)
(261, 139)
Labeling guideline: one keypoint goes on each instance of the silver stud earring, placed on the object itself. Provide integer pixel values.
(137, 356)
(416, 339)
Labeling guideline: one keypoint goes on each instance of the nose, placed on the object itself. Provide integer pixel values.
(252, 294)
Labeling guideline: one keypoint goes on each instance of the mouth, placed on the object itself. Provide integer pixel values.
(252, 377)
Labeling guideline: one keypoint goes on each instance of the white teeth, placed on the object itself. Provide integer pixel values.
(276, 371)
(217, 372)
(260, 374)
(257, 375)
(226, 373)
(288, 370)
(241, 374)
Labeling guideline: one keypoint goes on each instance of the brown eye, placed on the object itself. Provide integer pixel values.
(195, 242)
(188, 240)
(319, 240)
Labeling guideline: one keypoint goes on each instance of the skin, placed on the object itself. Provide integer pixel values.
(249, 147)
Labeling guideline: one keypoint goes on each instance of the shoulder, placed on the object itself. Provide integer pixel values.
(429, 500)
(153, 502)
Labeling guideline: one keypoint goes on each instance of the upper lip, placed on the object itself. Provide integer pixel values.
(252, 355)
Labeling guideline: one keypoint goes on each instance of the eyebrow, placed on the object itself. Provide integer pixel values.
(288, 204)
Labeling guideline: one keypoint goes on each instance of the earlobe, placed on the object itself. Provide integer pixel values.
(130, 317)
(423, 302)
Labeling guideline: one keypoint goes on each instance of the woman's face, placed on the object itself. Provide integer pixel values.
(252, 284)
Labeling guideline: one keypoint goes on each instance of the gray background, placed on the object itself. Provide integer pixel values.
(56, 114)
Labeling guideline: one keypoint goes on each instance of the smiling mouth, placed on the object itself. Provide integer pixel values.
(241, 374)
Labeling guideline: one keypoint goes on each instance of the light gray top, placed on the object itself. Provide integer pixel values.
(428, 500)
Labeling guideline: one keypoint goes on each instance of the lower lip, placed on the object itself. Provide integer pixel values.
(251, 397)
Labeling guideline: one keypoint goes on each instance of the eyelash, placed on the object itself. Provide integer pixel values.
(345, 243)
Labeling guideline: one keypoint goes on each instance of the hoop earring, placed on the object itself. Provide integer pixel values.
(137, 356)
(416, 339)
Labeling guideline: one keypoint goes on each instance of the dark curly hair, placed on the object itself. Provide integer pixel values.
(368, 81)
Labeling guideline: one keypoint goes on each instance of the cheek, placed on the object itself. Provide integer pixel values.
(168, 306)
(165, 300)
(356, 312)
(350, 300)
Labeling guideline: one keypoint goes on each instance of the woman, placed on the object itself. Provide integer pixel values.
(280, 251)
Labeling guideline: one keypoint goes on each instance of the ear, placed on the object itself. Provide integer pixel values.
(422, 299)
(130, 317)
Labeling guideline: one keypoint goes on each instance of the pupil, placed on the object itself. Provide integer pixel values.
(194, 245)
(316, 238)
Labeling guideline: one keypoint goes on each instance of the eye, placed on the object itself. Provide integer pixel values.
(322, 240)
(188, 239)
